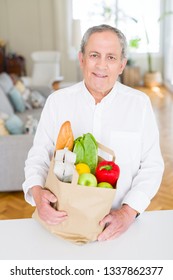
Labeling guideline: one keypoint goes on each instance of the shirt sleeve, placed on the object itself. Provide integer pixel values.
(148, 178)
(40, 154)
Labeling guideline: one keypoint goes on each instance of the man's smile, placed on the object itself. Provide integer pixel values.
(98, 75)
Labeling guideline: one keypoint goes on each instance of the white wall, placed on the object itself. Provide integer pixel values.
(27, 26)
(30, 25)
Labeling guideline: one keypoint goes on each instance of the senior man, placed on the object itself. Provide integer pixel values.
(118, 116)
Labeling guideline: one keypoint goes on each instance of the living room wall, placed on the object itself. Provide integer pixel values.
(28, 26)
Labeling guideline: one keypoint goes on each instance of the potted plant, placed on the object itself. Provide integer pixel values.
(133, 44)
(131, 75)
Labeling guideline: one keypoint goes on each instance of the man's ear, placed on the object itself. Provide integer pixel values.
(80, 57)
(123, 65)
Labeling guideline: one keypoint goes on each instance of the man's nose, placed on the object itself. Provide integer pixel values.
(102, 63)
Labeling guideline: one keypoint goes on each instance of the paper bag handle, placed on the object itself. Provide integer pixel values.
(75, 178)
(107, 150)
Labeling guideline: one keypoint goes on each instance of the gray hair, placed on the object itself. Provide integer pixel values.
(102, 28)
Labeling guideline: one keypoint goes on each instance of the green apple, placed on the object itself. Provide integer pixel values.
(87, 179)
(105, 185)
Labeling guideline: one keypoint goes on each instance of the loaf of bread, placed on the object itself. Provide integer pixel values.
(65, 137)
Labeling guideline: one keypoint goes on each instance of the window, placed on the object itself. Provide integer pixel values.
(132, 17)
(168, 45)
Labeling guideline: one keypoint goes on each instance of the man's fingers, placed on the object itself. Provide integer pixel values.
(106, 233)
(52, 198)
(107, 219)
(55, 220)
(49, 196)
(52, 216)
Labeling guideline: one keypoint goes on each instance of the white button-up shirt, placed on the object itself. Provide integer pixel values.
(123, 121)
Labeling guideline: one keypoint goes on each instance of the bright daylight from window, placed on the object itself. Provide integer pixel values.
(132, 17)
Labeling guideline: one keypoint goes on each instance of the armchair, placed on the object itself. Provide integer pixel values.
(46, 69)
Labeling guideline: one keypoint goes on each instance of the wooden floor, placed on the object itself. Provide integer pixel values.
(162, 101)
(13, 205)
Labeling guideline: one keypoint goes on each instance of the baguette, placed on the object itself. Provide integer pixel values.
(65, 137)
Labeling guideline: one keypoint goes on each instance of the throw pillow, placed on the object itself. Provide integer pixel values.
(5, 104)
(6, 82)
(14, 125)
(20, 86)
(16, 100)
(37, 100)
(30, 125)
(25, 93)
(3, 130)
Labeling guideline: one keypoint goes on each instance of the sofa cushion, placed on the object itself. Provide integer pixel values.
(6, 82)
(5, 105)
(14, 125)
(16, 100)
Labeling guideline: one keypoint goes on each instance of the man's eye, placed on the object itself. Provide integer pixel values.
(111, 57)
(94, 55)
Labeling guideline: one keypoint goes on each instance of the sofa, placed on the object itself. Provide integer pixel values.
(15, 139)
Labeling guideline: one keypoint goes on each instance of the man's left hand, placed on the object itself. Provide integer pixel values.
(117, 222)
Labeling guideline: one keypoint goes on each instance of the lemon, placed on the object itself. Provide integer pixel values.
(82, 168)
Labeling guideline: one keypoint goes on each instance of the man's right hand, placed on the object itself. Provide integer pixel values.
(43, 199)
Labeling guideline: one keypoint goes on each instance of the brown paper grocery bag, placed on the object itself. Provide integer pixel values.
(85, 206)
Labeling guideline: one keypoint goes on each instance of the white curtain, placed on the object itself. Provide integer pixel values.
(63, 37)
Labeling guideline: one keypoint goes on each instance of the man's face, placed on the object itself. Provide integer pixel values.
(101, 63)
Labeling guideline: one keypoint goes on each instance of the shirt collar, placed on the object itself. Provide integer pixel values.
(90, 99)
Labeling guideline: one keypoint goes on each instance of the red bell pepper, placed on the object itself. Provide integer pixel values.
(107, 171)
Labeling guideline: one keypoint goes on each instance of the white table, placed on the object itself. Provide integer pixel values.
(149, 238)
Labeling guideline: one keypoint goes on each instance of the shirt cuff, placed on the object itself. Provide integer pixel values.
(27, 185)
(137, 200)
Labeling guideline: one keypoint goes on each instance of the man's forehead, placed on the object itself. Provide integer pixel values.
(105, 37)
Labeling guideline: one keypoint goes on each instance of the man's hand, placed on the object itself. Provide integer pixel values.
(43, 199)
(116, 222)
